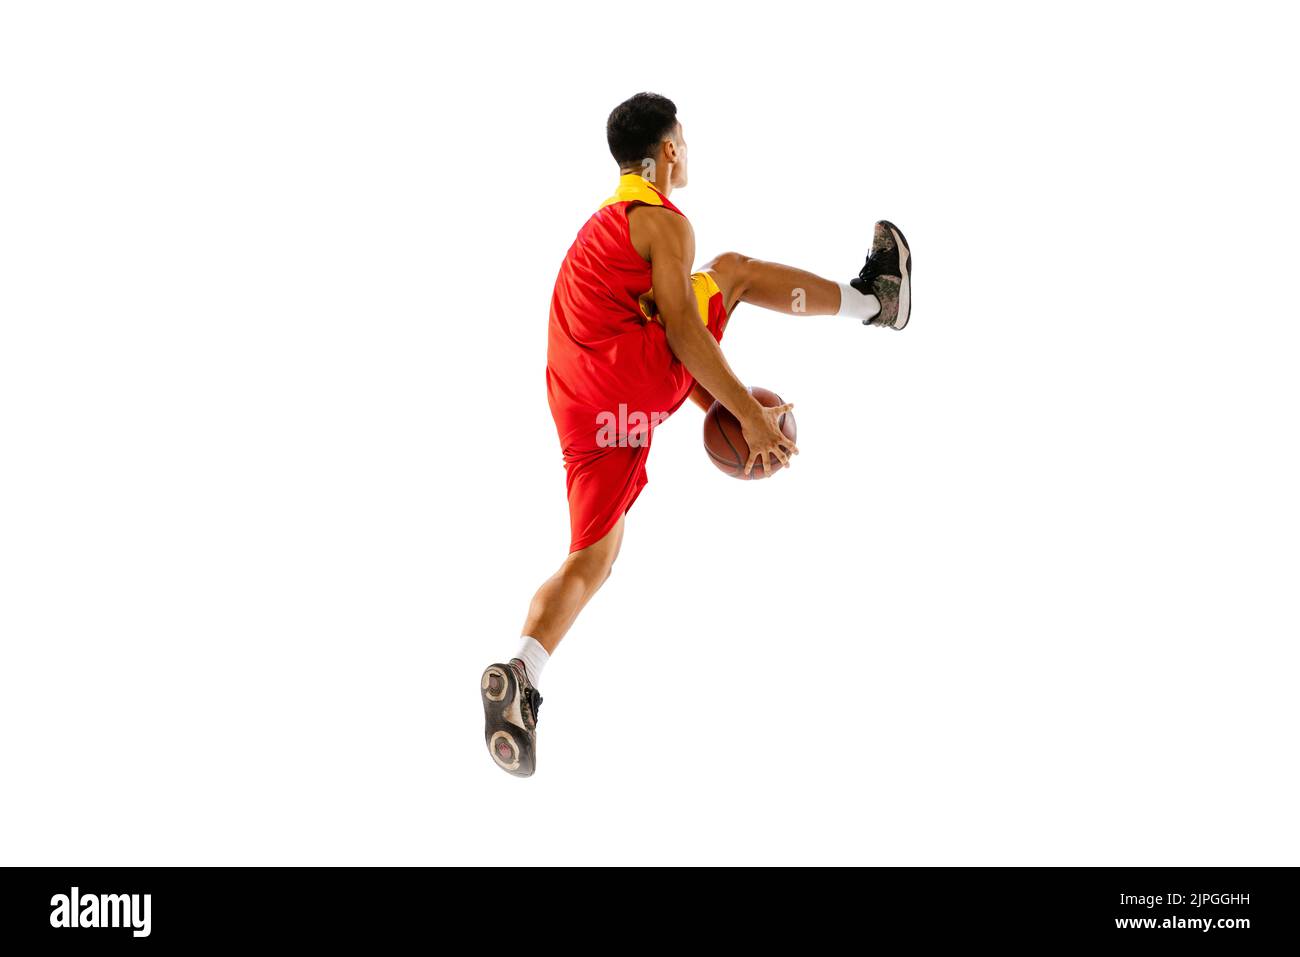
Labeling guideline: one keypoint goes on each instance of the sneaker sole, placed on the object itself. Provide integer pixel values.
(904, 267)
(507, 741)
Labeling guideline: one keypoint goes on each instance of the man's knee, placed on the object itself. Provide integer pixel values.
(593, 565)
(605, 568)
(731, 271)
(730, 265)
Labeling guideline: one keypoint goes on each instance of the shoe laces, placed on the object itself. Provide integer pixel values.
(532, 697)
(870, 268)
(874, 267)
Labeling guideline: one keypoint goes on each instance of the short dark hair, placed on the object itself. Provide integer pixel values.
(638, 125)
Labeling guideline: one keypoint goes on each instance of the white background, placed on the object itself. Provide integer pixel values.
(279, 478)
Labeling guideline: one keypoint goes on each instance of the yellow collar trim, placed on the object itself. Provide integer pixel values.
(634, 187)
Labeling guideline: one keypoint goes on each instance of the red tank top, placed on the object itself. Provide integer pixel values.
(602, 350)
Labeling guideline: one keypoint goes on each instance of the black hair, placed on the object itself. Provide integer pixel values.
(638, 125)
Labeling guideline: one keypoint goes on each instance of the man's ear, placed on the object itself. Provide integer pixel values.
(670, 151)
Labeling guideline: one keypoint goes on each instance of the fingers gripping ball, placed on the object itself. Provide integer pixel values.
(724, 439)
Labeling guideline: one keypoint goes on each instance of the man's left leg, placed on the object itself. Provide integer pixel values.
(777, 287)
(780, 288)
(881, 295)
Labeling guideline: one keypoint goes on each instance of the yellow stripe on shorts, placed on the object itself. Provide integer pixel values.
(702, 284)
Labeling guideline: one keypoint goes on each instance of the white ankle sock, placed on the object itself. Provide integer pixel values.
(857, 304)
(534, 657)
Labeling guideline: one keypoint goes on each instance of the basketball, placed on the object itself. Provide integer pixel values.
(726, 445)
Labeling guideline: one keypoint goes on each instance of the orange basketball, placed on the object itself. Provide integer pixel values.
(726, 445)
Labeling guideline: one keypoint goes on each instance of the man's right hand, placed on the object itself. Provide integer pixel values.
(763, 435)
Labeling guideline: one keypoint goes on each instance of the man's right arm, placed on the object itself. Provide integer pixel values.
(670, 243)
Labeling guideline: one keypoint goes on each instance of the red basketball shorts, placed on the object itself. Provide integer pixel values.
(605, 464)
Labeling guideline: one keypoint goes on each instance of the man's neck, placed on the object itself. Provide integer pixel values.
(664, 188)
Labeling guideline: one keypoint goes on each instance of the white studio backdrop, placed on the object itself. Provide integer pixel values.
(279, 477)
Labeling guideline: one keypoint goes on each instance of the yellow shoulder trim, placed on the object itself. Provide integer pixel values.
(634, 187)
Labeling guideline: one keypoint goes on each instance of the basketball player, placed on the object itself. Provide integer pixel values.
(634, 333)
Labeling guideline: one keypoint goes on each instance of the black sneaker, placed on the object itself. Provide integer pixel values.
(887, 275)
(510, 705)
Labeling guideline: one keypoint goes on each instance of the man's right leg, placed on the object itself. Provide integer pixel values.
(510, 696)
(558, 602)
